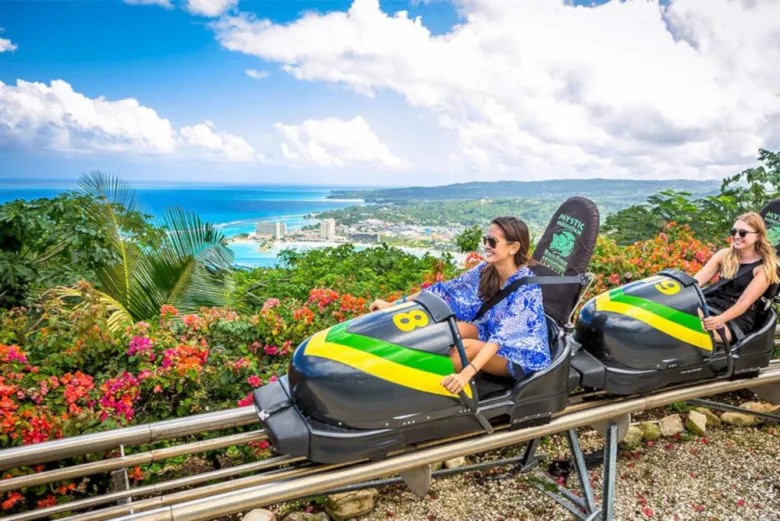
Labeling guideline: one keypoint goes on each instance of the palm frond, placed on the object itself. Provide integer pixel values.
(118, 315)
(187, 271)
(112, 196)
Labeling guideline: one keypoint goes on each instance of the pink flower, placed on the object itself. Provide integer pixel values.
(270, 350)
(146, 373)
(614, 278)
(273, 378)
(247, 400)
(254, 381)
(142, 346)
(269, 304)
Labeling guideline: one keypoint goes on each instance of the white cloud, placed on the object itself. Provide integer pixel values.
(162, 3)
(57, 118)
(233, 148)
(210, 8)
(335, 142)
(6, 44)
(256, 74)
(540, 88)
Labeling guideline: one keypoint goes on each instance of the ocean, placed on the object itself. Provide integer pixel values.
(233, 209)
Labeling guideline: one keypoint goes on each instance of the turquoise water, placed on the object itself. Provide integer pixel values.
(233, 209)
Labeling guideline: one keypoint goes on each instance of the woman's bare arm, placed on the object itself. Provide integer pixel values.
(711, 268)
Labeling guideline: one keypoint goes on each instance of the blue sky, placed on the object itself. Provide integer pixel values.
(344, 101)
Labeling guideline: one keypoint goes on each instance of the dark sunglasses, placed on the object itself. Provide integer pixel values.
(492, 241)
(742, 233)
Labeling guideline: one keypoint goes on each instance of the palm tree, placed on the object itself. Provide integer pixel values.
(186, 268)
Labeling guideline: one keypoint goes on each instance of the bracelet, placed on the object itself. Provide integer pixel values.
(404, 298)
(475, 369)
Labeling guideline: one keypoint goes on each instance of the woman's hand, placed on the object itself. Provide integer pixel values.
(713, 323)
(455, 383)
(379, 304)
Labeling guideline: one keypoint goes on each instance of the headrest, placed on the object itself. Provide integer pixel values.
(771, 215)
(565, 249)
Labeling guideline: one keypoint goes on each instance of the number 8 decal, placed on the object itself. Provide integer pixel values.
(409, 321)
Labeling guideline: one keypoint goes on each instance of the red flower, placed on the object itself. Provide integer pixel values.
(50, 501)
(13, 498)
(167, 310)
(254, 381)
(247, 400)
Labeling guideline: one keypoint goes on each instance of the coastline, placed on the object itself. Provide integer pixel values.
(248, 254)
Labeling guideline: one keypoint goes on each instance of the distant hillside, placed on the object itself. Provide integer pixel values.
(635, 190)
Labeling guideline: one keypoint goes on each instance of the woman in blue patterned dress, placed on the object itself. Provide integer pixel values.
(511, 338)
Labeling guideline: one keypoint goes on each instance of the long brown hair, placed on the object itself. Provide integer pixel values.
(763, 246)
(515, 230)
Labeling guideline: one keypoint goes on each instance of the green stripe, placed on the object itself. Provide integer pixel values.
(429, 362)
(684, 319)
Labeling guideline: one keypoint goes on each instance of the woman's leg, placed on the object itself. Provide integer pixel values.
(496, 365)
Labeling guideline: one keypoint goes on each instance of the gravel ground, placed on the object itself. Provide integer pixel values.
(731, 474)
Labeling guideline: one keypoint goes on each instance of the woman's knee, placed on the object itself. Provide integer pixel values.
(468, 330)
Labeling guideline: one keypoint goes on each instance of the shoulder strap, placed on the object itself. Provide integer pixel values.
(723, 282)
(509, 289)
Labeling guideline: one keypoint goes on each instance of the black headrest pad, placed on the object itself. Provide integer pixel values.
(565, 249)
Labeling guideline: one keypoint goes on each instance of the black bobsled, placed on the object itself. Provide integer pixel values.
(647, 335)
(372, 385)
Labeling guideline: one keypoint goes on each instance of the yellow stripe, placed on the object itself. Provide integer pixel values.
(701, 340)
(376, 366)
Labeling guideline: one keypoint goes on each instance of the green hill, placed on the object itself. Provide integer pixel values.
(594, 188)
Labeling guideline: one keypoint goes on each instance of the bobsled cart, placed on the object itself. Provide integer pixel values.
(648, 335)
(372, 385)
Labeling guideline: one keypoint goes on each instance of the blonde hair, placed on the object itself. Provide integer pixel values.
(763, 247)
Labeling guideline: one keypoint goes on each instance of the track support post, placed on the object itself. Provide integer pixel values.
(585, 508)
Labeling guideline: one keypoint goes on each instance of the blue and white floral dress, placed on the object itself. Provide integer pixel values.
(517, 324)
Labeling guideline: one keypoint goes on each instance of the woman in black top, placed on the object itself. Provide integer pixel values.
(735, 301)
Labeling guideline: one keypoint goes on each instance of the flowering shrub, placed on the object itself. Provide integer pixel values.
(676, 247)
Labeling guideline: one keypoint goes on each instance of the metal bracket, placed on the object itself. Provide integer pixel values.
(769, 393)
(418, 480)
(623, 422)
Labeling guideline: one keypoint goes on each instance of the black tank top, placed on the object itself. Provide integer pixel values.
(737, 286)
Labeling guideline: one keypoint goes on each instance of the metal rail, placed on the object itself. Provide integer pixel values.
(202, 504)
(147, 490)
(138, 435)
(77, 471)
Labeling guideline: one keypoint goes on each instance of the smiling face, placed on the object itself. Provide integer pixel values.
(498, 250)
(739, 242)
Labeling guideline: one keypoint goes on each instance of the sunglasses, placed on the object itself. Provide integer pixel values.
(487, 240)
(742, 233)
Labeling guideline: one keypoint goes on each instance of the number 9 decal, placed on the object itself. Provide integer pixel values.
(668, 287)
(409, 321)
